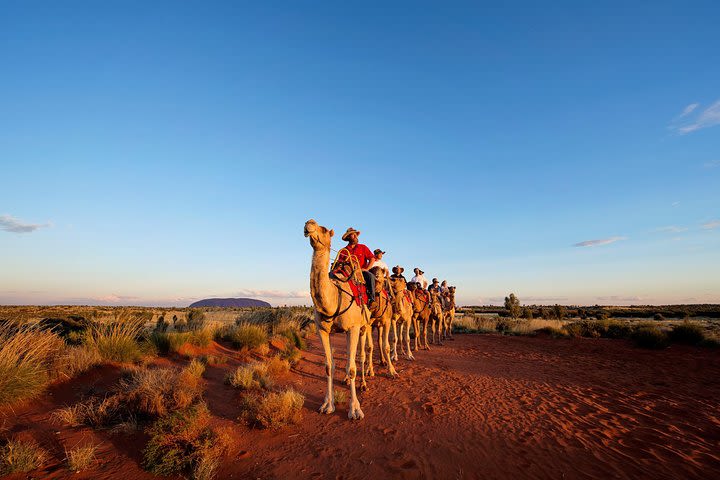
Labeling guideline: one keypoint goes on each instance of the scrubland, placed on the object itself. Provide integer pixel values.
(159, 361)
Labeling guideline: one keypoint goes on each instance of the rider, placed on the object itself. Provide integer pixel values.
(364, 257)
(419, 278)
(379, 261)
(435, 286)
(444, 287)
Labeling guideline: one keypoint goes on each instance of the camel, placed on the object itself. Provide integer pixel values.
(448, 305)
(381, 314)
(402, 314)
(335, 306)
(436, 315)
(421, 316)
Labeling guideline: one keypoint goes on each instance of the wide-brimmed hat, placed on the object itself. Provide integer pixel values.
(348, 232)
(435, 280)
(377, 250)
(398, 270)
(418, 271)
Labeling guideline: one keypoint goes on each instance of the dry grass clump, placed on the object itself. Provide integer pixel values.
(184, 443)
(158, 391)
(339, 396)
(213, 359)
(276, 366)
(75, 360)
(116, 342)
(690, 333)
(21, 456)
(263, 349)
(273, 409)
(650, 336)
(80, 458)
(246, 335)
(292, 354)
(144, 394)
(251, 376)
(172, 342)
(27, 355)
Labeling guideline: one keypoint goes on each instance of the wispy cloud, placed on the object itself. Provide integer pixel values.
(711, 225)
(686, 122)
(619, 298)
(12, 224)
(714, 164)
(274, 293)
(598, 242)
(687, 110)
(670, 229)
(674, 204)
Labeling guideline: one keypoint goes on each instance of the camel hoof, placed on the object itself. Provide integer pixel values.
(354, 413)
(327, 408)
(371, 373)
(363, 387)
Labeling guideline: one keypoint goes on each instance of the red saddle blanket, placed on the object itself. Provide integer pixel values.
(359, 292)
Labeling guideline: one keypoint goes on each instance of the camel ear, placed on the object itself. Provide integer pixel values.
(332, 232)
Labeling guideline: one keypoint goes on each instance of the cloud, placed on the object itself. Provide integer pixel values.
(274, 293)
(112, 298)
(601, 241)
(714, 164)
(618, 298)
(670, 229)
(707, 118)
(711, 225)
(674, 204)
(687, 110)
(11, 224)
(525, 300)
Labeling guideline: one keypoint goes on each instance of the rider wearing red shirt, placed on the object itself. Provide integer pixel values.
(364, 257)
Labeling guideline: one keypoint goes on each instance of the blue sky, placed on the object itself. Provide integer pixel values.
(159, 152)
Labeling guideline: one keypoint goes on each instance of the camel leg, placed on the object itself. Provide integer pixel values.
(354, 411)
(416, 327)
(409, 355)
(369, 344)
(391, 370)
(401, 334)
(361, 346)
(381, 345)
(395, 341)
(424, 337)
(329, 405)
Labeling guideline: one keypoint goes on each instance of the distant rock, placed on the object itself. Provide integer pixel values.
(230, 302)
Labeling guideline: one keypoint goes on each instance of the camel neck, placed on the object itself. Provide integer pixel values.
(323, 291)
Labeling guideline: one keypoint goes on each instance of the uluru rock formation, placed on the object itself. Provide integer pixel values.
(230, 302)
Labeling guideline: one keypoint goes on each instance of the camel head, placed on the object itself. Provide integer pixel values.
(320, 236)
(397, 283)
(452, 291)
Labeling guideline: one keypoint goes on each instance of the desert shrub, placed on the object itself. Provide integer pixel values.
(650, 337)
(195, 319)
(161, 325)
(251, 376)
(292, 354)
(277, 366)
(80, 458)
(559, 311)
(246, 335)
(658, 316)
(75, 338)
(617, 329)
(687, 332)
(214, 359)
(171, 342)
(27, 355)
(263, 349)
(155, 392)
(195, 368)
(553, 332)
(182, 443)
(339, 396)
(21, 456)
(116, 342)
(73, 361)
(503, 325)
(598, 328)
(273, 409)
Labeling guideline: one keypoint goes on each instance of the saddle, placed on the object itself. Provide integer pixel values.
(344, 273)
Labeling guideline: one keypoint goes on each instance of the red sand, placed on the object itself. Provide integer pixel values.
(478, 407)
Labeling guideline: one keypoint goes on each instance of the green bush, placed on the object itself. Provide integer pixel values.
(195, 319)
(650, 337)
(687, 332)
(171, 342)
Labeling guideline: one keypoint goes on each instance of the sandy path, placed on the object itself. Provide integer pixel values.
(510, 407)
